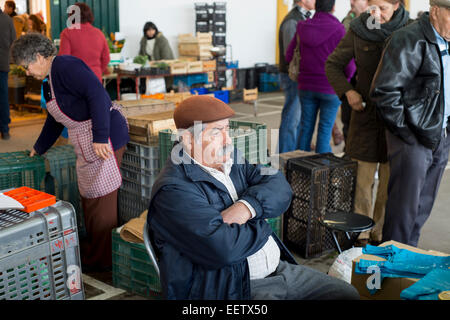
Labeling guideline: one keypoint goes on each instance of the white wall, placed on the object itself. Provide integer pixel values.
(418, 5)
(251, 24)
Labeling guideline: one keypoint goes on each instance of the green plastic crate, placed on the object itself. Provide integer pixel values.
(18, 169)
(62, 162)
(276, 224)
(165, 145)
(248, 135)
(260, 139)
(132, 269)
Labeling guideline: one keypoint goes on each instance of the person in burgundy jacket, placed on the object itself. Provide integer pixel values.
(319, 37)
(86, 42)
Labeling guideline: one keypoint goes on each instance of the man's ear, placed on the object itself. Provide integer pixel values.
(187, 139)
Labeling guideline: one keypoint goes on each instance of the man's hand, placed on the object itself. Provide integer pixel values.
(354, 100)
(33, 153)
(102, 150)
(237, 213)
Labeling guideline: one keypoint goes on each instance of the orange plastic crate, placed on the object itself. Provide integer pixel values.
(158, 96)
(31, 199)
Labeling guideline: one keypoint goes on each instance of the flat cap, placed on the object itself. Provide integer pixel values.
(200, 108)
(440, 3)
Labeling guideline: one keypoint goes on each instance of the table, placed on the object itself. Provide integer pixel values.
(122, 74)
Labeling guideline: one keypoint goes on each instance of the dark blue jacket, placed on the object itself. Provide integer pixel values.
(201, 257)
(81, 96)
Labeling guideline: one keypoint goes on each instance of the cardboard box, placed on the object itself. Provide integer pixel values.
(390, 287)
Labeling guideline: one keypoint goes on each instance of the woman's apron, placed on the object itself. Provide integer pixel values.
(96, 177)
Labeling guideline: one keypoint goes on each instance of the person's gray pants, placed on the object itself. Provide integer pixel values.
(416, 174)
(297, 282)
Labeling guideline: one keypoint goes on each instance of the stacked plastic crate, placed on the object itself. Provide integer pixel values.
(39, 255)
(18, 169)
(63, 181)
(320, 184)
(132, 269)
(213, 18)
(140, 167)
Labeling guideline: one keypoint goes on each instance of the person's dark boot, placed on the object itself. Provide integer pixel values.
(5, 136)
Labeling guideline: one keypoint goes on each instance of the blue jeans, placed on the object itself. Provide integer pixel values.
(4, 103)
(290, 117)
(313, 102)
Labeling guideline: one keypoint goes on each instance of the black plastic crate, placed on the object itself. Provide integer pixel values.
(320, 184)
(241, 75)
(219, 27)
(202, 15)
(219, 39)
(202, 26)
(236, 95)
(201, 6)
(220, 6)
(219, 16)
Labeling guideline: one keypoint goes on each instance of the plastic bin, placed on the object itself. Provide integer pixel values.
(141, 156)
(256, 145)
(191, 79)
(269, 82)
(132, 269)
(222, 95)
(166, 141)
(17, 169)
(39, 255)
(62, 181)
(320, 183)
(199, 91)
(276, 224)
(131, 205)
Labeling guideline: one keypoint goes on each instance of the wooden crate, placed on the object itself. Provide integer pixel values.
(210, 65)
(195, 67)
(177, 98)
(145, 128)
(194, 49)
(204, 37)
(179, 67)
(187, 37)
(145, 106)
(211, 77)
(188, 58)
(250, 94)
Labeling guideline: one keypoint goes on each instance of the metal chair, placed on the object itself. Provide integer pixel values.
(348, 223)
(150, 250)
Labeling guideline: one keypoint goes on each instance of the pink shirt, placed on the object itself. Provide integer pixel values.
(88, 44)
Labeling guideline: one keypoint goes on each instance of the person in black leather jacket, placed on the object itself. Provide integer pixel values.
(408, 90)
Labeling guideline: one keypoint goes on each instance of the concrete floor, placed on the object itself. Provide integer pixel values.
(435, 233)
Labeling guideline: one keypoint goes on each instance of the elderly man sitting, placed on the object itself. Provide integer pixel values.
(207, 219)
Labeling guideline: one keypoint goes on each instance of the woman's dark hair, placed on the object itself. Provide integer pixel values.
(325, 5)
(11, 4)
(38, 24)
(25, 49)
(86, 14)
(149, 25)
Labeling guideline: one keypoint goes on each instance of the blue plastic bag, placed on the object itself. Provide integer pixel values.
(429, 287)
